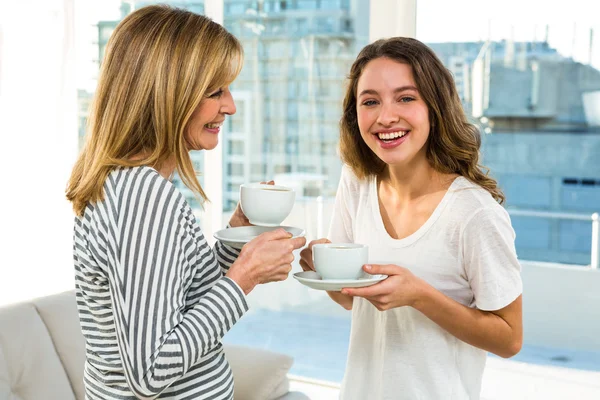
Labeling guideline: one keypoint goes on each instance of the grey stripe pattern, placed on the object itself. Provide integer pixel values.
(151, 293)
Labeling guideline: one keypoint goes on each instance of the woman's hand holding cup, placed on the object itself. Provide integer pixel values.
(306, 255)
(238, 218)
(266, 258)
(306, 262)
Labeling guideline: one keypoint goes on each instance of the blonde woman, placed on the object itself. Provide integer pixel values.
(414, 192)
(154, 299)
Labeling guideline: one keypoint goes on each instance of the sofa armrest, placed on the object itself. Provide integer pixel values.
(258, 374)
(59, 313)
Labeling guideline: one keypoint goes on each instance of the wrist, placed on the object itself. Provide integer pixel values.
(243, 282)
(422, 294)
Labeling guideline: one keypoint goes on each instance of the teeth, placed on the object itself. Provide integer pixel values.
(391, 135)
(213, 126)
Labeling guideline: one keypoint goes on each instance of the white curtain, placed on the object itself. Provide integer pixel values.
(38, 136)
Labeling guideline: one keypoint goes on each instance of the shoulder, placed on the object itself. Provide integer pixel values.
(352, 183)
(470, 197)
(142, 187)
(473, 203)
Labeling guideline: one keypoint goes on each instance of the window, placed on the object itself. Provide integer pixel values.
(511, 75)
(235, 169)
(580, 194)
(236, 147)
(326, 24)
(306, 4)
(531, 84)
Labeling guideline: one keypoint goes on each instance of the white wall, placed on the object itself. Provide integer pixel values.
(561, 306)
(38, 134)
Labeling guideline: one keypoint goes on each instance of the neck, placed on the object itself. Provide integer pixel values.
(167, 168)
(411, 182)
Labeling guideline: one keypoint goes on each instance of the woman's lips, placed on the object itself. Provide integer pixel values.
(213, 130)
(390, 144)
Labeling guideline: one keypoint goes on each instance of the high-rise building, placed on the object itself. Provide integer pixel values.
(289, 93)
(545, 141)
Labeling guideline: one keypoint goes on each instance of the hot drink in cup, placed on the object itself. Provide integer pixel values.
(340, 260)
(266, 205)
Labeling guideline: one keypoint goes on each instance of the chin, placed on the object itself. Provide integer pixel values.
(394, 160)
(202, 146)
(209, 146)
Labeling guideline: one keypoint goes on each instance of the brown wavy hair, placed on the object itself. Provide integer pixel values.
(160, 63)
(453, 143)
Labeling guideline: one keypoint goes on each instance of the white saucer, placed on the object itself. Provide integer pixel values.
(238, 237)
(314, 281)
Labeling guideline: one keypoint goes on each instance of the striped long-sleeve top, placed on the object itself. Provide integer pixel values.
(152, 297)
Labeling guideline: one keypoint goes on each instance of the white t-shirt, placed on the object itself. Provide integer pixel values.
(466, 251)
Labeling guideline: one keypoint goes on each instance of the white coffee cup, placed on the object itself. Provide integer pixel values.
(266, 205)
(340, 260)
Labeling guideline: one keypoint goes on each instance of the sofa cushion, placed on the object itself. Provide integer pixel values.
(59, 313)
(258, 374)
(29, 366)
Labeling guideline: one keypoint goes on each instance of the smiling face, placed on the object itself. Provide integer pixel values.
(393, 119)
(204, 126)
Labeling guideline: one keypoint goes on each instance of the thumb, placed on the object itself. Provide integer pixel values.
(275, 234)
(383, 269)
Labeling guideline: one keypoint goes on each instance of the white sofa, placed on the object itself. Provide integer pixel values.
(42, 354)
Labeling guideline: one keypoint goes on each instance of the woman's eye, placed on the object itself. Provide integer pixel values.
(406, 99)
(369, 103)
(216, 94)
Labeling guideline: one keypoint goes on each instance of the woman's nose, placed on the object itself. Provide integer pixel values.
(228, 105)
(389, 115)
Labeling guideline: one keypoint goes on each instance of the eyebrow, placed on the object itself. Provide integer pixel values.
(400, 89)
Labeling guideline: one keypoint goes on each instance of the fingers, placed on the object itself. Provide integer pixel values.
(268, 183)
(381, 306)
(284, 270)
(282, 273)
(298, 242)
(370, 291)
(276, 234)
(306, 254)
(289, 258)
(306, 266)
(387, 269)
(281, 233)
(306, 260)
(318, 241)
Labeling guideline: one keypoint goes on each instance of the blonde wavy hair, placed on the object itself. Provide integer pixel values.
(160, 63)
(453, 144)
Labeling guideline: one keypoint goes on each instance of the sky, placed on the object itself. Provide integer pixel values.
(569, 23)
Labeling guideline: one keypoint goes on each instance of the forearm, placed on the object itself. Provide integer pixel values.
(342, 299)
(481, 329)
